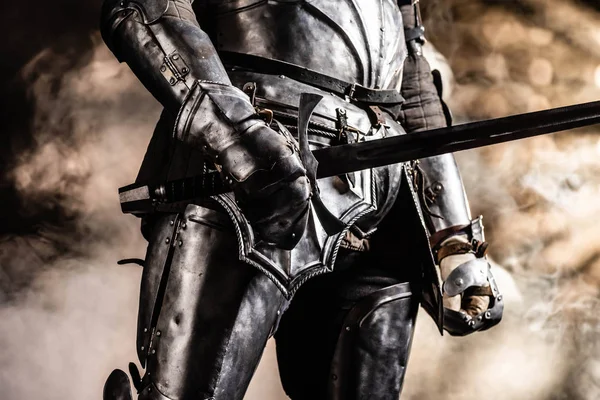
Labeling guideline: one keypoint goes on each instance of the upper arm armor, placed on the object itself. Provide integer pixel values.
(114, 12)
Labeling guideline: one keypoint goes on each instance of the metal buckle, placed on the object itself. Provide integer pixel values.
(351, 91)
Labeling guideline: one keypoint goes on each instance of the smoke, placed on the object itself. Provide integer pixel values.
(82, 126)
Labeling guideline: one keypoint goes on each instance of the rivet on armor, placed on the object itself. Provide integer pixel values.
(180, 243)
(479, 318)
(184, 225)
(465, 317)
(175, 57)
(471, 323)
(348, 328)
(122, 4)
(500, 298)
(437, 187)
(172, 222)
(163, 68)
(488, 315)
(278, 312)
(459, 282)
(168, 240)
(334, 377)
(145, 330)
(282, 76)
(153, 351)
(157, 333)
(142, 348)
(172, 81)
(184, 70)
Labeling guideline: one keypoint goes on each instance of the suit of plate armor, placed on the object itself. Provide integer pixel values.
(223, 275)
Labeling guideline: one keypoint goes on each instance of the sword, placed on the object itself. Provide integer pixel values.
(336, 160)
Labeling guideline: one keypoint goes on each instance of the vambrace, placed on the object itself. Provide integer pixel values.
(443, 197)
(163, 45)
(439, 182)
(167, 50)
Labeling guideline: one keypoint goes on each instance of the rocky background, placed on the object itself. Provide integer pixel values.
(75, 126)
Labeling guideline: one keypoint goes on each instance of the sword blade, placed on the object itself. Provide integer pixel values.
(336, 160)
(341, 159)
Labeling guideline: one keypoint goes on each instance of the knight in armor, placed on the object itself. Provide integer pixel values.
(335, 271)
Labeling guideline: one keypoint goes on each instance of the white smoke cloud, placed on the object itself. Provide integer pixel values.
(77, 319)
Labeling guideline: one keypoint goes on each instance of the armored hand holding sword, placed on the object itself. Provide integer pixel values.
(334, 269)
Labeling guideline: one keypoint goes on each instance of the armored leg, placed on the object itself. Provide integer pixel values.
(373, 347)
(204, 316)
(347, 334)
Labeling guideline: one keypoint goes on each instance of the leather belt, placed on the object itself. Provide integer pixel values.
(354, 91)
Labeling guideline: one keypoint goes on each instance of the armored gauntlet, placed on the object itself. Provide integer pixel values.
(164, 46)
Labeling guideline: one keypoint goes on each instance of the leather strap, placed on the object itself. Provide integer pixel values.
(454, 248)
(342, 88)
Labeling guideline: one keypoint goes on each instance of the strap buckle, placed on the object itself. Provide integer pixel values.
(351, 90)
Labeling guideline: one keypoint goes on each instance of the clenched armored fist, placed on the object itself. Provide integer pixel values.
(468, 303)
(269, 181)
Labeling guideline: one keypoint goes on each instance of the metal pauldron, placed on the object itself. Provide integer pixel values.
(475, 274)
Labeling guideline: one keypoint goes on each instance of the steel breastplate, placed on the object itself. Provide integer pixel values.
(363, 198)
(360, 41)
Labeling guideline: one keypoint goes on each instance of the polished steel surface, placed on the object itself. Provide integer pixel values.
(205, 314)
(358, 41)
(374, 344)
(197, 317)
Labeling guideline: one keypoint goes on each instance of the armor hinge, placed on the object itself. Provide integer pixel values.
(174, 68)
